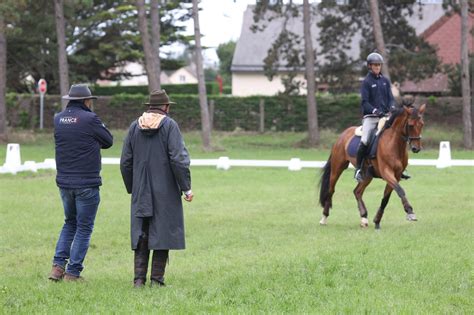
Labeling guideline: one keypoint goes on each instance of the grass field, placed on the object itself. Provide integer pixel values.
(253, 241)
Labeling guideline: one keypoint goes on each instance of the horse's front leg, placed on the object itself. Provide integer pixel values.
(386, 197)
(358, 193)
(393, 182)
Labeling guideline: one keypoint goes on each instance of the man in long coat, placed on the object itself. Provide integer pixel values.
(155, 170)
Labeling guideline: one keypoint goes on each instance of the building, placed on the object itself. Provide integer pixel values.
(445, 34)
(247, 68)
(183, 75)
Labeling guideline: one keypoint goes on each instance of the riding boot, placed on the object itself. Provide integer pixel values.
(142, 257)
(360, 159)
(158, 265)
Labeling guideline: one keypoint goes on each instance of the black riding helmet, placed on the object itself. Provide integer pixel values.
(374, 58)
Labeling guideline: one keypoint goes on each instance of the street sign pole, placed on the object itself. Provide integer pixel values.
(42, 87)
(41, 109)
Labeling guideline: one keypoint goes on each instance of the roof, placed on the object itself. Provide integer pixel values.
(252, 48)
(437, 83)
(445, 34)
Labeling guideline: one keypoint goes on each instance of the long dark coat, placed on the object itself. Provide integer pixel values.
(155, 170)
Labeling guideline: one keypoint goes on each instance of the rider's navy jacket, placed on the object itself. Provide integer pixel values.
(376, 92)
(79, 135)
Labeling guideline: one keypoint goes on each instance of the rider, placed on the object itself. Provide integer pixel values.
(377, 100)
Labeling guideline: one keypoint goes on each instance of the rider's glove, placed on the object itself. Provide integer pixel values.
(377, 112)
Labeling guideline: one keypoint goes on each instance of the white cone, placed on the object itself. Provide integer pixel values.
(295, 165)
(444, 158)
(223, 163)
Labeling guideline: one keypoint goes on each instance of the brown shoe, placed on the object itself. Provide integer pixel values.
(72, 278)
(57, 273)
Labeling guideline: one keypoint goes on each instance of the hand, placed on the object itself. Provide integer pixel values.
(377, 112)
(188, 196)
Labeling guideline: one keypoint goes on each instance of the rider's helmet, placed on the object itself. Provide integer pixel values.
(374, 58)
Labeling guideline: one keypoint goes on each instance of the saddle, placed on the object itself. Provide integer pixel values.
(373, 139)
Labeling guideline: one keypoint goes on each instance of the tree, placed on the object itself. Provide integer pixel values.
(378, 35)
(3, 79)
(62, 54)
(225, 52)
(287, 53)
(101, 37)
(9, 12)
(466, 93)
(155, 35)
(313, 131)
(150, 63)
(411, 58)
(205, 122)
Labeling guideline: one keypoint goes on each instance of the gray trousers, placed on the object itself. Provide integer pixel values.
(368, 124)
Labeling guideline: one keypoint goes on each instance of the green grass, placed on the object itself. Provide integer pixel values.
(253, 242)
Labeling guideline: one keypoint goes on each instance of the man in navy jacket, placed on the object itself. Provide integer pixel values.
(79, 135)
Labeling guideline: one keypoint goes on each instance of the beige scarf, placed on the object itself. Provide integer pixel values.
(150, 120)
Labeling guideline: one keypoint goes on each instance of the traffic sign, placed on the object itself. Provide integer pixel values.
(42, 86)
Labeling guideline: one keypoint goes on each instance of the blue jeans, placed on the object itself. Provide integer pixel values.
(80, 208)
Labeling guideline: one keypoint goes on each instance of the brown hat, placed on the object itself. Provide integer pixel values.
(159, 97)
(79, 92)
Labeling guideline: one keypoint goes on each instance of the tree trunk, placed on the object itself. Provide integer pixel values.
(62, 54)
(313, 132)
(206, 129)
(466, 93)
(3, 80)
(155, 36)
(378, 34)
(151, 71)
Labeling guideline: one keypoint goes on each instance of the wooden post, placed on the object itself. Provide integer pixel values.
(211, 113)
(262, 115)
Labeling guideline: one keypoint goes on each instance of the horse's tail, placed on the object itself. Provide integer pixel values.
(324, 182)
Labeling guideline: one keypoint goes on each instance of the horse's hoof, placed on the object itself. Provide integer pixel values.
(324, 221)
(411, 217)
(364, 222)
(377, 226)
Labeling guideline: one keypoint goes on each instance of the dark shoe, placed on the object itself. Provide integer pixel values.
(405, 175)
(72, 278)
(139, 283)
(158, 283)
(57, 273)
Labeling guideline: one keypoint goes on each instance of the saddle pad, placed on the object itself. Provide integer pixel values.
(353, 146)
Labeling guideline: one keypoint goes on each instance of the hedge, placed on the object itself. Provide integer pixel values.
(230, 113)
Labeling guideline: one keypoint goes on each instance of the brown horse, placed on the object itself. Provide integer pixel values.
(389, 162)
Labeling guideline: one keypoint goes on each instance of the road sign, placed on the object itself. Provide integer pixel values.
(42, 86)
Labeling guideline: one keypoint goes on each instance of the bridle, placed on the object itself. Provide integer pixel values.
(406, 136)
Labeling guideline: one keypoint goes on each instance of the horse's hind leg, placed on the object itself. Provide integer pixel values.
(386, 197)
(336, 171)
(358, 193)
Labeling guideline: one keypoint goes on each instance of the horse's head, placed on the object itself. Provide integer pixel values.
(414, 126)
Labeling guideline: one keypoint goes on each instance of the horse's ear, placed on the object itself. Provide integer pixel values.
(422, 109)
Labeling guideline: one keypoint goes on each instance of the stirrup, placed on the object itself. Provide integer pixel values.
(405, 175)
(358, 175)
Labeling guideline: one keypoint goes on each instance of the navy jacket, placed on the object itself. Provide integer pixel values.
(79, 135)
(376, 92)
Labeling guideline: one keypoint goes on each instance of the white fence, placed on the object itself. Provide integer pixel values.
(13, 161)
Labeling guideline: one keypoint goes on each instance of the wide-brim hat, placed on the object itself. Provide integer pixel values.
(79, 92)
(159, 97)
